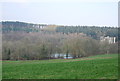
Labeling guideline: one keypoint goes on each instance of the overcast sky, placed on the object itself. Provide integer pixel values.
(62, 12)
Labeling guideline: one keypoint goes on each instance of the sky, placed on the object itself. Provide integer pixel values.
(61, 12)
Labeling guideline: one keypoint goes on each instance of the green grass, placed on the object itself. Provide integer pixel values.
(95, 67)
(0, 70)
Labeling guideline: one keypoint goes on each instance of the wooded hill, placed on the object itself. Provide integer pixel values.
(92, 31)
(26, 41)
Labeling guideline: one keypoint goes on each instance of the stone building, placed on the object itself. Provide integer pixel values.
(110, 40)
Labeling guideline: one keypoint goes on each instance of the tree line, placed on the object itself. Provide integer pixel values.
(42, 45)
(93, 31)
(16, 26)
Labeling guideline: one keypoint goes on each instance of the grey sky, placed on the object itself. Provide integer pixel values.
(62, 13)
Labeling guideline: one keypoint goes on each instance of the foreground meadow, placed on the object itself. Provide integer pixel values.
(95, 67)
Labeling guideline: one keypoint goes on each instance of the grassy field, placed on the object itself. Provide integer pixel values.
(95, 67)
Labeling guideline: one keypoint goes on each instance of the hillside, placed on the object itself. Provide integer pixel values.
(26, 27)
(93, 31)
